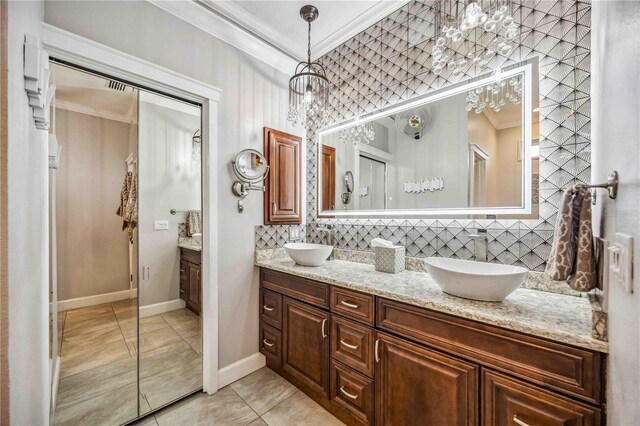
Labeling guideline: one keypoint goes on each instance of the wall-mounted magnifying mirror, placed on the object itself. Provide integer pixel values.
(348, 188)
(250, 167)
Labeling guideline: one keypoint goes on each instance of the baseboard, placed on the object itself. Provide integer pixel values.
(239, 369)
(160, 308)
(83, 302)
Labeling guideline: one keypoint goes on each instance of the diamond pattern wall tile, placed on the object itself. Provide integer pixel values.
(390, 62)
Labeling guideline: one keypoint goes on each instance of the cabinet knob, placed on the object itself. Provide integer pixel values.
(347, 394)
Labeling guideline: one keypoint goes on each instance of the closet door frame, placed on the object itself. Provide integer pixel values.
(87, 54)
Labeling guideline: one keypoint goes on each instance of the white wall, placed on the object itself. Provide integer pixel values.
(615, 90)
(28, 255)
(167, 179)
(254, 95)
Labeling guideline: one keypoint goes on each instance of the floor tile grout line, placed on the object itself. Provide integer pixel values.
(243, 400)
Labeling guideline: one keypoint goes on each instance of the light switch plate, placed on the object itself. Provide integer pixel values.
(160, 225)
(621, 261)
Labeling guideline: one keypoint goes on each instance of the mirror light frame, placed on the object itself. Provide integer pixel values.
(526, 68)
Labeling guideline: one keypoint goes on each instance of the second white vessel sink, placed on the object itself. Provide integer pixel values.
(308, 254)
(488, 282)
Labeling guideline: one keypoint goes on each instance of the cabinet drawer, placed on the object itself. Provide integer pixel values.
(271, 343)
(508, 401)
(559, 367)
(352, 391)
(271, 308)
(357, 306)
(192, 256)
(352, 344)
(312, 292)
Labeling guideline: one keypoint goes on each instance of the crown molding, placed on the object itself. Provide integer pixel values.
(231, 11)
(206, 20)
(367, 18)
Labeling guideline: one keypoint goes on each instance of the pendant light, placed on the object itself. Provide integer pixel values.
(309, 87)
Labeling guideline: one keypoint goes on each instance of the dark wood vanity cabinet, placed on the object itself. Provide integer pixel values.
(370, 360)
(283, 186)
(306, 344)
(190, 271)
(413, 382)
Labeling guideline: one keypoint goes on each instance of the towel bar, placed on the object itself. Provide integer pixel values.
(174, 211)
(611, 185)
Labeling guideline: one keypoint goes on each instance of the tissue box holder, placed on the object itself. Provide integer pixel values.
(390, 259)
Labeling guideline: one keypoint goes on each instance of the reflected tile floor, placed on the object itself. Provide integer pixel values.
(98, 368)
(261, 398)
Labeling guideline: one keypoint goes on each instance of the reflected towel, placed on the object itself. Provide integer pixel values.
(572, 256)
(128, 208)
(194, 222)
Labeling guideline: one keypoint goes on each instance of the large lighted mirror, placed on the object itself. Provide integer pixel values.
(469, 149)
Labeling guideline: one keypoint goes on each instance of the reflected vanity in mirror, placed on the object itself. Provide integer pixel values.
(469, 150)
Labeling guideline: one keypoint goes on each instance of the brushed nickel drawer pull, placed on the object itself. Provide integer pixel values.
(182, 270)
(350, 305)
(268, 343)
(350, 346)
(268, 308)
(519, 422)
(324, 333)
(347, 394)
(376, 350)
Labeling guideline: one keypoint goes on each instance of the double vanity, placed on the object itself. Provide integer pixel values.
(377, 348)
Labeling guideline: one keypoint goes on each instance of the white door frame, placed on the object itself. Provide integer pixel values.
(88, 54)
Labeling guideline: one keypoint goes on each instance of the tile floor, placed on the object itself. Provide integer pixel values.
(98, 368)
(261, 398)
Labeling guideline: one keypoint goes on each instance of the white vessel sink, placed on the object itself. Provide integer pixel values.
(308, 254)
(489, 282)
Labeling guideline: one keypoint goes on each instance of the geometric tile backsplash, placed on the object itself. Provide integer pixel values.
(389, 62)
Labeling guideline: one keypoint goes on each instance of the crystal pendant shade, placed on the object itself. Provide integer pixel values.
(360, 133)
(471, 33)
(309, 86)
(495, 96)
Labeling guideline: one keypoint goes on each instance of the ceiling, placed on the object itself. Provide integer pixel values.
(88, 94)
(279, 22)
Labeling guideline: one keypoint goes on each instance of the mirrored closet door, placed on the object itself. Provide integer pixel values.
(125, 239)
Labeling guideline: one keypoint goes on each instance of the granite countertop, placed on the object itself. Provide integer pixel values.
(559, 317)
(189, 243)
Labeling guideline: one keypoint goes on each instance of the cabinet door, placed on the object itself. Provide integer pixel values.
(282, 200)
(415, 385)
(328, 177)
(511, 402)
(193, 292)
(306, 344)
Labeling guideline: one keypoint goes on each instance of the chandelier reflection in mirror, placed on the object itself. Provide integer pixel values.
(309, 87)
(471, 33)
(495, 96)
(360, 133)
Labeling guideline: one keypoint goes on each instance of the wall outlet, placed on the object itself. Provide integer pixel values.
(621, 261)
(160, 225)
(294, 233)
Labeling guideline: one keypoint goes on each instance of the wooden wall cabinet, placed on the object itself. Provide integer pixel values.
(283, 186)
(369, 360)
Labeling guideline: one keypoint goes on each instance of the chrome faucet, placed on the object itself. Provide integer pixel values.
(327, 234)
(480, 245)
